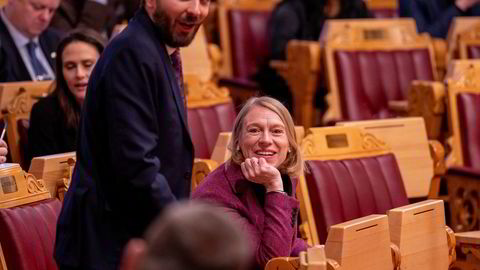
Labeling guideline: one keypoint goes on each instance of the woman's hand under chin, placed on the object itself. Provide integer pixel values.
(257, 170)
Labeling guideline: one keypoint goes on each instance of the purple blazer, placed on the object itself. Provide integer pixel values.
(269, 219)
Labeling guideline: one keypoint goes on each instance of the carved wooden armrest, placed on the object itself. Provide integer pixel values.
(427, 100)
(440, 49)
(399, 106)
(201, 168)
(281, 67)
(283, 263)
(396, 256)
(315, 258)
(437, 151)
(451, 159)
(216, 58)
(452, 255)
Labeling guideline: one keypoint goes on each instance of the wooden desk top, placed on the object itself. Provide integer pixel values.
(468, 238)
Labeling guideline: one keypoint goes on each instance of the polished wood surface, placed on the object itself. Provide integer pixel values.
(18, 187)
(362, 243)
(55, 170)
(9, 91)
(412, 152)
(420, 233)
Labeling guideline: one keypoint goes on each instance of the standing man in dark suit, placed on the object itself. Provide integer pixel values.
(134, 151)
(27, 46)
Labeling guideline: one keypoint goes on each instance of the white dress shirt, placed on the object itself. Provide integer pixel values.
(21, 42)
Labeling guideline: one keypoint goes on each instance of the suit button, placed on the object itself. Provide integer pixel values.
(188, 175)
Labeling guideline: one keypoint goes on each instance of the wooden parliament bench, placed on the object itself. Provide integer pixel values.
(28, 217)
(410, 237)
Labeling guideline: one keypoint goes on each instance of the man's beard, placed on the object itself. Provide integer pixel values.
(165, 25)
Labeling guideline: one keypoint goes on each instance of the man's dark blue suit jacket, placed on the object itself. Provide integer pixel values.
(134, 151)
(12, 68)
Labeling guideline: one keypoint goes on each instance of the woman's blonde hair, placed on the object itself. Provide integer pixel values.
(293, 164)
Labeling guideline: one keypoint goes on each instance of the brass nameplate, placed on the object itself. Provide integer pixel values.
(9, 185)
(337, 140)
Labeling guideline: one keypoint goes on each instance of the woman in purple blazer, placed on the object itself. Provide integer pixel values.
(256, 187)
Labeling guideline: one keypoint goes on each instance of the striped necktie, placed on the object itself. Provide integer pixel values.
(177, 66)
(38, 68)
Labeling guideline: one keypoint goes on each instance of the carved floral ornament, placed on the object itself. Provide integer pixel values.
(369, 143)
(200, 92)
(397, 34)
(34, 185)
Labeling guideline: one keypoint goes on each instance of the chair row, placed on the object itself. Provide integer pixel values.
(410, 237)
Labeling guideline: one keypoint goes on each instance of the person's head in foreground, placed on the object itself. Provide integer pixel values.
(264, 137)
(189, 236)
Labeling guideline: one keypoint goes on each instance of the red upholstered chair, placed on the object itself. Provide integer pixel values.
(350, 174)
(210, 111)
(463, 113)
(369, 69)
(243, 36)
(473, 52)
(469, 120)
(468, 41)
(28, 235)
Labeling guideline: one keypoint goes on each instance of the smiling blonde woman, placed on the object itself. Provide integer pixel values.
(256, 187)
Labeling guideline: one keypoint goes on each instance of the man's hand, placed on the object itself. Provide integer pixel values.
(3, 151)
(463, 5)
(257, 170)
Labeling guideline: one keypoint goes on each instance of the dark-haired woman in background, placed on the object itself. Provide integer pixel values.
(54, 119)
(301, 20)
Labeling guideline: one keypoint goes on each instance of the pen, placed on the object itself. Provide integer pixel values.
(3, 132)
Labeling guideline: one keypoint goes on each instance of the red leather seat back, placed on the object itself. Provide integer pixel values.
(384, 13)
(342, 190)
(248, 39)
(206, 123)
(473, 52)
(367, 80)
(469, 119)
(28, 235)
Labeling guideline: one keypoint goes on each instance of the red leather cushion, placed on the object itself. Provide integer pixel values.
(205, 125)
(384, 13)
(342, 190)
(28, 235)
(468, 116)
(248, 39)
(367, 80)
(473, 52)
